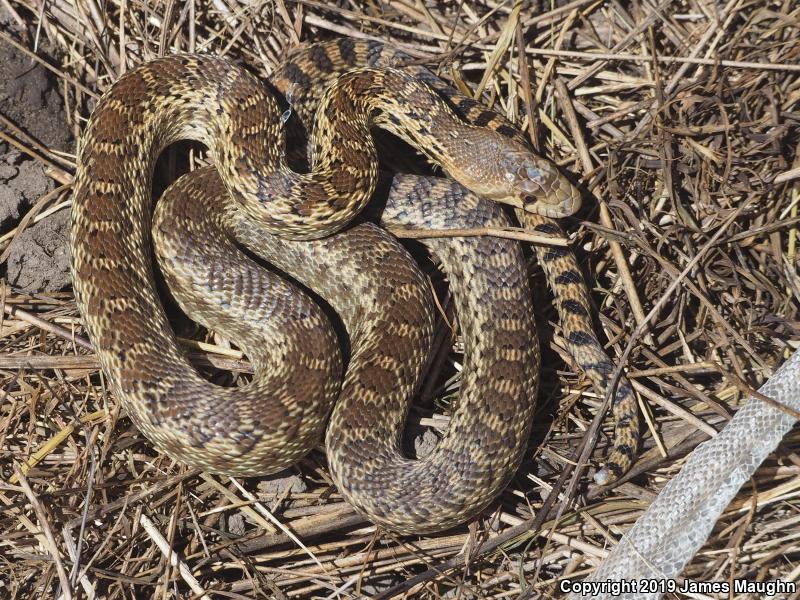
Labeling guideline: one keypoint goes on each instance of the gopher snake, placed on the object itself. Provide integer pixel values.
(210, 100)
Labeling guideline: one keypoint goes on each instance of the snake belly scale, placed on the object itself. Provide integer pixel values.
(264, 202)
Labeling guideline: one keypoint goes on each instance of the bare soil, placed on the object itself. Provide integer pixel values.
(39, 258)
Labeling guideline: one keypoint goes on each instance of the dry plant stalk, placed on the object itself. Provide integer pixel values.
(681, 117)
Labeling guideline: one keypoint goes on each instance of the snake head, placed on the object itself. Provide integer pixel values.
(536, 185)
(504, 170)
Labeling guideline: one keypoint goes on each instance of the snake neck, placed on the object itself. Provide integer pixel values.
(398, 102)
(344, 157)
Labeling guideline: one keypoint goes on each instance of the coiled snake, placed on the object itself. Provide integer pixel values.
(252, 198)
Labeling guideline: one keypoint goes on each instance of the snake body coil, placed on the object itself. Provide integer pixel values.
(280, 415)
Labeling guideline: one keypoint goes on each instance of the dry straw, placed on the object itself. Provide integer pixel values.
(680, 119)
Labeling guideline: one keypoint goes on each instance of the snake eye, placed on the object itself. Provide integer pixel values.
(535, 175)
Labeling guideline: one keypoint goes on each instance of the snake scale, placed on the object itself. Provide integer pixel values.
(251, 198)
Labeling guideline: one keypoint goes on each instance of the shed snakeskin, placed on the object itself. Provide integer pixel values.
(281, 415)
